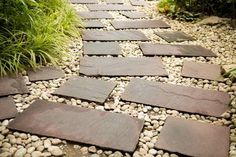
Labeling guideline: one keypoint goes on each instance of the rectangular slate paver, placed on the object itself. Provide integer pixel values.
(7, 108)
(202, 71)
(181, 98)
(94, 35)
(139, 24)
(12, 85)
(84, 1)
(93, 24)
(83, 125)
(138, 2)
(86, 89)
(131, 66)
(174, 36)
(192, 138)
(134, 14)
(114, 2)
(94, 15)
(110, 7)
(102, 48)
(175, 50)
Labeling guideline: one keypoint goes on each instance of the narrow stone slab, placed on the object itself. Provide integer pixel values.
(102, 48)
(7, 108)
(93, 24)
(174, 36)
(84, 1)
(175, 50)
(139, 24)
(45, 73)
(192, 138)
(202, 71)
(187, 99)
(83, 125)
(12, 85)
(94, 15)
(138, 2)
(114, 1)
(94, 35)
(131, 66)
(134, 14)
(109, 7)
(86, 89)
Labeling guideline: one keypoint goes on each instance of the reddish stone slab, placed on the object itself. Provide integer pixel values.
(94, 35)
(131, 66)
(202, 71)
(86, 89)
(174, 36)
(84, 1)
(94, 15)
(114, 1)
(139, 24)
(134, 14)
(102, 48)
(187, 99)
(192, 138)
(109, 7)
(175, 50)
(138, 2)
(93, 24)
(12, 85)
(7, 108)
(45, 73)
(83, 125)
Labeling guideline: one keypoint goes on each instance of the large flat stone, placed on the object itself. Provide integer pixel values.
(94, 15)
(7, 108)
(175, 50)
(102, 48)
(84, 1)
(93, 24)
(174, 36)
(109, 7)
(134, 14)
(202, 71)
(12, 85)
(114, 2)
(86, 89)
(187, 99)
(131, 66)
(138, 2)
(83, 125)
(139, 24)
(94, 35)
(192, 138)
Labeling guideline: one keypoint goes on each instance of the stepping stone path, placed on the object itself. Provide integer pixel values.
(110, 7)
(102, 48)
(138, 2)
(174, 36)
(7, 108)
(93, 24)
(114, 2)
(84, 1)
(94, 15)
(134, 14)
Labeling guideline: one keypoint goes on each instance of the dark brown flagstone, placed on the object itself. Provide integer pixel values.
(175, 50)
(83, 125)
(94, 15)
(131, 66)
(174, 36)
(134, 14)
(181, 98)
(192, 138)
(109, 7)
(7, 108)
(84, 1)
(101, 48)
(93, 24)
(138, 2)
(114, 2)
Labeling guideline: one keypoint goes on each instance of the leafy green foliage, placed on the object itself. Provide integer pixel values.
(231, 74)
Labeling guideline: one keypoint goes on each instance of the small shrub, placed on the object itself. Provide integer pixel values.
(231, 74)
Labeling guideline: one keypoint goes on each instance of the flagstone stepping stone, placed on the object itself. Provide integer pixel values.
(202, 71)
(139, 24)
(181, 98)
(102, 48)
(192, 138)
(83, 125)
(45, 73)
(12, 85)
(174, 36)
(175, 50)
(94, 35)
(131, 66)
(138, 2)
(7, 108)
(86, 89)
(84, 1)
(134, 14)
(109, 7)
(94, 15)
(114, 2)
(93, 24)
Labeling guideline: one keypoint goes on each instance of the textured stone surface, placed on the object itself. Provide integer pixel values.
(138, 2)
(202, 71)
(94, 15)
(87, 89)
(89, 126)
(100, 66)
(187, 99)
(7, 108)
(114, 1)
(194, 138)
(172, 36)
(84, 1)
(109, 7)
(175, 50)
(102, 48)
(93, 24)
(134, 14)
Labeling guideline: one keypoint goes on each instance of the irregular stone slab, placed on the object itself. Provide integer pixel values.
(174, 36)
(12, 85)
(94, 35)
(109, 7)
(45, 73)
(192, 138)
(134, 14)
(202, 71)
(84, 1)
(187, 99)
(131, 66)
(114, 2)
(7, 108)
(83, 125)
(86, 89)
(175, 50)
(102, 48)
(138, 2)
(94, 15)
(139, 24)
(93, 24)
